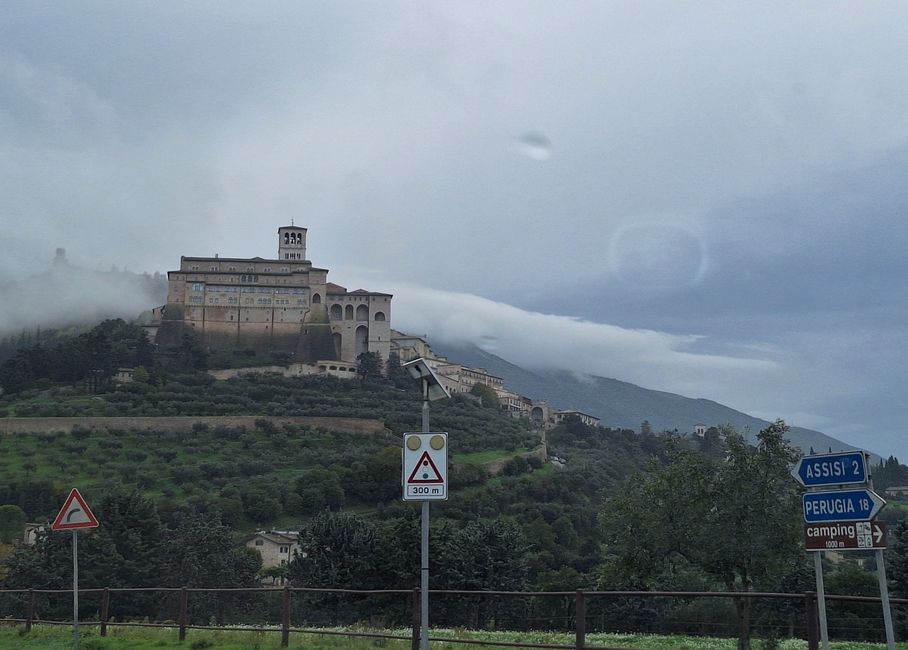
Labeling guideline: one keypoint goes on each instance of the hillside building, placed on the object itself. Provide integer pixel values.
(281, 304)
(457, 378)
(896, 492)
(589, 420)
(277, 547)
(408, 347)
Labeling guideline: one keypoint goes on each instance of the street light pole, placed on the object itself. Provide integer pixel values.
(424, 562)
(432, 389)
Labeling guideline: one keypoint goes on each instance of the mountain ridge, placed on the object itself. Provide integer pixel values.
(622, 404)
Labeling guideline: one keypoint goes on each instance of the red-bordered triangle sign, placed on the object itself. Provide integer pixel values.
(74, 514)
(425, 471)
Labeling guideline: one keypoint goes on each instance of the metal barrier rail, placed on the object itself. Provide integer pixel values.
(580, 597)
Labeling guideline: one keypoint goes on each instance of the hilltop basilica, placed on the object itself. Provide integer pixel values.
(287, 305)
(283, 304)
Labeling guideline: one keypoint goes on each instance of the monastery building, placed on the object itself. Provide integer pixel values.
(283, 304)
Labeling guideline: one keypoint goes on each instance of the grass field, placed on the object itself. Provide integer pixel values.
(480, 457)
(59, 637)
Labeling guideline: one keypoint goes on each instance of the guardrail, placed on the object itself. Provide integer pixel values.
(575, 616)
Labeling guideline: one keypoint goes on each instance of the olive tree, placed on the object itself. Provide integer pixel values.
(736, 518)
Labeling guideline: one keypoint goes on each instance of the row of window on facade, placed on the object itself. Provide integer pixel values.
(233, 269)
(246, 301)
(254, 279)
(200, 286)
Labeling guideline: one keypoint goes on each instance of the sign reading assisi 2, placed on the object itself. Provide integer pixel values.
(843, 468)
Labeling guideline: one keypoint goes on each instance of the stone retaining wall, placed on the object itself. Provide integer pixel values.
(183, 423)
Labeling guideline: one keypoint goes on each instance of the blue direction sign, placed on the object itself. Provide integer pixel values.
(841, 505)
(843, 468)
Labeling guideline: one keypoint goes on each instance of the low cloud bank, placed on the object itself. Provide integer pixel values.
(654, 359)
(69, 295)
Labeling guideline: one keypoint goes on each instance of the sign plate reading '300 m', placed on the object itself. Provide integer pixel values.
(425, 466)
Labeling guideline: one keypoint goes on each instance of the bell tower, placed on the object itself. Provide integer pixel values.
(291, 243)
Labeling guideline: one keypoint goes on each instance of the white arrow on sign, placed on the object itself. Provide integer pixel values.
(877, 533)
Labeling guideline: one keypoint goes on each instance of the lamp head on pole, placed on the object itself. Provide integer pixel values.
(419, 369)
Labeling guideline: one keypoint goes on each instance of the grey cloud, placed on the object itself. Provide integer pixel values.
(68, 295)
(762, 146)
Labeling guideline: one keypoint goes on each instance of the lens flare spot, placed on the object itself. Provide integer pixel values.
(535, 145)
(657, 255)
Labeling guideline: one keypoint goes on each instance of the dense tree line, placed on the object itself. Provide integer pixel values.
(340, 550)
(90, 357)
(735, 521)
(889, 473)
(47, 337)
(136, 548)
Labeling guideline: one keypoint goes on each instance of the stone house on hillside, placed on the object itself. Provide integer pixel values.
(586, 418)
(275, 546)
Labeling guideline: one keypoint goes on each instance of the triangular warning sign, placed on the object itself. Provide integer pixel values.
(74, 514)
(425, 471)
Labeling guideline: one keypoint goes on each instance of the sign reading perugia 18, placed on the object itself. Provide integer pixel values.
(841, 505)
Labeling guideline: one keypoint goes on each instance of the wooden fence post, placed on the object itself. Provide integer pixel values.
(30, 611)
(417, 621)
(184, 612)
(105, 607)
(285, 617)
(580, 621)
(813, 625)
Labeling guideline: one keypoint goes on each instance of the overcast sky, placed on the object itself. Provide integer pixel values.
(706, 198)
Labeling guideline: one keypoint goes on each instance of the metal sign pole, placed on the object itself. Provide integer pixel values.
(884, 596)
(75, 589)
(821, 600)
(884, 588)
(424, 564)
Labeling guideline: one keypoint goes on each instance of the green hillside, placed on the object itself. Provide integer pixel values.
(279, 475)
(616, 510)
(260, 475)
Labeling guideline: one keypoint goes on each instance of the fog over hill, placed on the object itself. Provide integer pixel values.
(67, 295)
(625, 405)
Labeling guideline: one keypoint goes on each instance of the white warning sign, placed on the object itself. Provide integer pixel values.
(425, 466)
